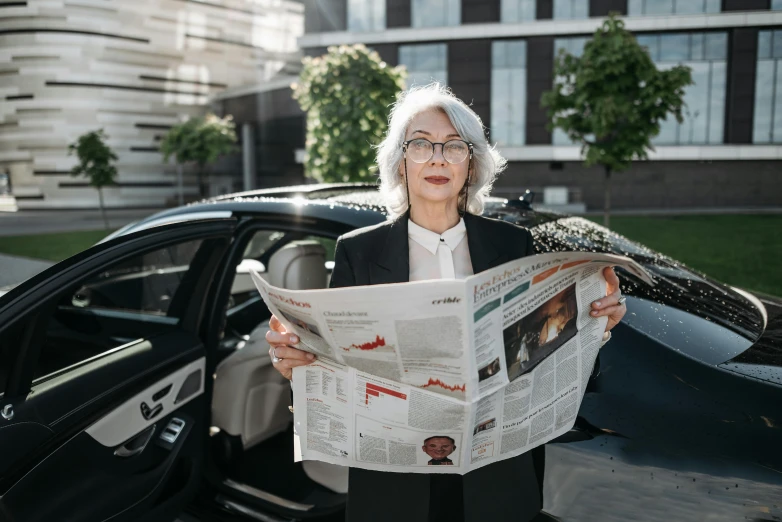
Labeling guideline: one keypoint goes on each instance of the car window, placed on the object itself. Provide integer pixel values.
(143, 284)
(246, 310)
(264, 243)
(130, 300)
(260, 243)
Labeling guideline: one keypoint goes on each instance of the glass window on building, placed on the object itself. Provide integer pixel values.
(517, 10)
(571, 9)
(705, 54)
(704, 113)
(668, 7)
(508, 92)
(776, 5)
(767, 125)
(436, 13)
(574, 46)
(426, 63)
(366, 15)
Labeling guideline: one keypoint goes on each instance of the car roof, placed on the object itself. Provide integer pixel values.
(366, 195)
(308, 191)
(352, 204)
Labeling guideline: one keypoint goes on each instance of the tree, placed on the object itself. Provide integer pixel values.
(611, 100)
(201, 141)
(347, 94)
(96, 163)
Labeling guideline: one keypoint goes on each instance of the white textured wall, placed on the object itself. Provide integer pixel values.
(142, 66)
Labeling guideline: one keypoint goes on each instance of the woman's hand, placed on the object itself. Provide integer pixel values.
(610, 305)
(284, 356)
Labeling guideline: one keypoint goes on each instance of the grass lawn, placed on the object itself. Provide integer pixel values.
(741, 250)
(50, 247)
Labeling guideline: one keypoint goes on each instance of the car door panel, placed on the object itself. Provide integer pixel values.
(60, 399)
(94, 471)
(136, 414)
(79, 411)
(22, 436)
(83, 449)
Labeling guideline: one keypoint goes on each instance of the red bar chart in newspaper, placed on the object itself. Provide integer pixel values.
(374, 390)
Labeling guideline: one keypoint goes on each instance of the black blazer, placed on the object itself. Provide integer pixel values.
(504, 491)
(379, 254)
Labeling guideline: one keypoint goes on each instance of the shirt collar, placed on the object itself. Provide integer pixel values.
(430, 240)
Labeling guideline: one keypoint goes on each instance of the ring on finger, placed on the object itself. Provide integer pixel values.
(275, 359)
(621, 300)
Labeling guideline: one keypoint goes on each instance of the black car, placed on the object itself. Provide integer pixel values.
(136, 384)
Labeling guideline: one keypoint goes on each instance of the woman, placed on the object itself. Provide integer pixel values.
(436, 169)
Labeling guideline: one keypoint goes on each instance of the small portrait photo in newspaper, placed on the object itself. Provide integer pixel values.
(439, 448)
(538, 334)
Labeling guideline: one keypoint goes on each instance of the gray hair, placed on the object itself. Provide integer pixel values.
(487, 163)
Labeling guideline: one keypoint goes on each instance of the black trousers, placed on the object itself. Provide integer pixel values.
(506, 491)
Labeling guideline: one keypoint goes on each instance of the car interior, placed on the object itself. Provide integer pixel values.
(252, 426)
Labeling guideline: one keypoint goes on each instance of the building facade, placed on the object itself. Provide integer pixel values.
(498, 56)
(133, 68)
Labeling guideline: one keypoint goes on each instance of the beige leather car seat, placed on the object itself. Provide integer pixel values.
(250, 397)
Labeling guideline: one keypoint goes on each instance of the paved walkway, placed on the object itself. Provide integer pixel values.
(14, 269)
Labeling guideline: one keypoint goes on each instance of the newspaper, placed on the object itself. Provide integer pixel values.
(445, 376)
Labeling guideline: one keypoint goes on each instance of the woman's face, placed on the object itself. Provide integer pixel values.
(436, 180)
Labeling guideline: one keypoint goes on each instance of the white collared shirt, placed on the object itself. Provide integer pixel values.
(438, 256)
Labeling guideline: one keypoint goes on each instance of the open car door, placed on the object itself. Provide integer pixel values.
(102, 374)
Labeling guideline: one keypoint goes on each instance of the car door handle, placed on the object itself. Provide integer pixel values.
(135, 445)
(150, 413)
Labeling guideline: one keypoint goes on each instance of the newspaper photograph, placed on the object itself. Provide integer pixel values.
(445, 376)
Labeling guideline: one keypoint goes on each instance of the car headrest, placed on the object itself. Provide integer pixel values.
(299, 265)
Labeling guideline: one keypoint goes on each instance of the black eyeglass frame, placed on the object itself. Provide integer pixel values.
(408, 142)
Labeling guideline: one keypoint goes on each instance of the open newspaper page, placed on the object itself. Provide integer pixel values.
(445, 376)
(414, 333)
(531, 318)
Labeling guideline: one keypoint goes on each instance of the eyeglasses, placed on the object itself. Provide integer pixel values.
(421, 150)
